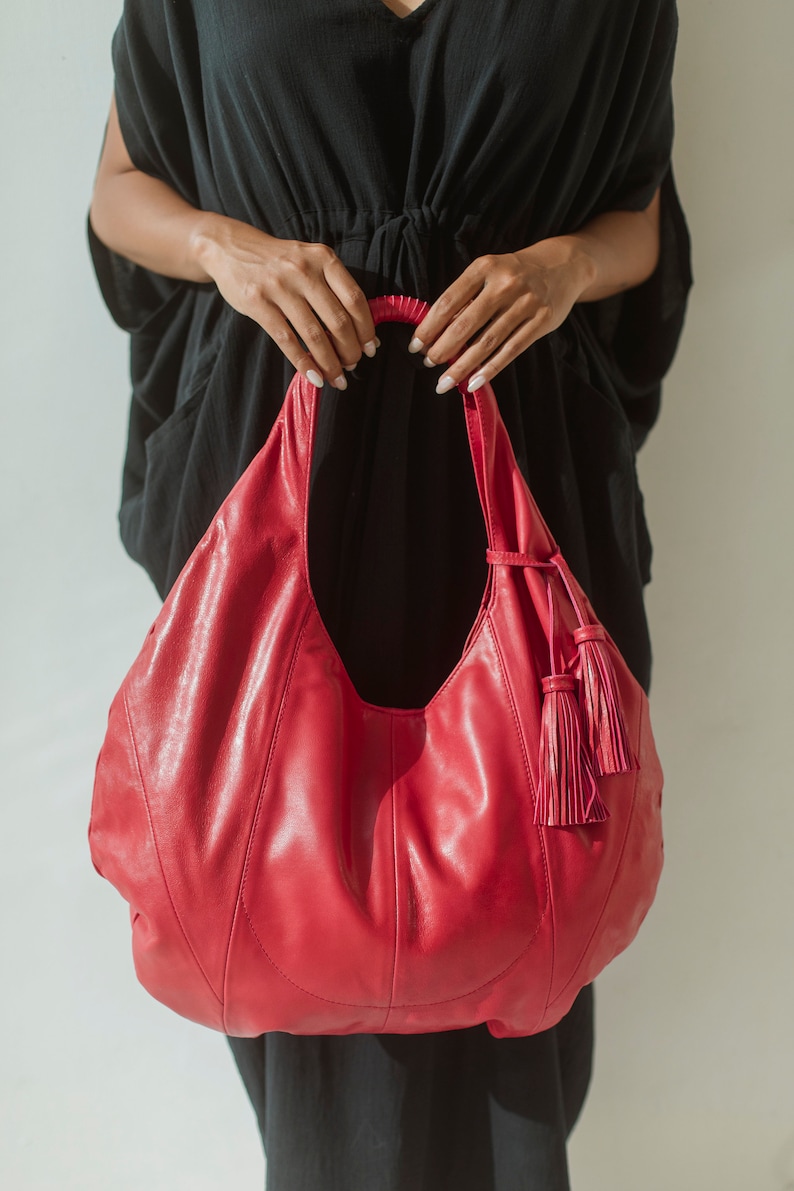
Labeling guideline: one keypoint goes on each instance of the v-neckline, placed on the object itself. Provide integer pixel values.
(420, 11)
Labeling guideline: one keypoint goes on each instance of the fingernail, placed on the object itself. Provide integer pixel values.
(350, 367)
(445, 384)
(315, 378)
(476, 382)
(428, 363)
(371, 347)
(415, 345)
(340, 382)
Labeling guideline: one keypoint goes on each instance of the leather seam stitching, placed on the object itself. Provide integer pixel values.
(308, 992)
(240, 900)
(157, 850)
(608, 893)
(396, 889)
(487, 626)
(403, 1005)
(548, 906)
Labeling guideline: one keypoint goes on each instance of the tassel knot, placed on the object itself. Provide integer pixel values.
(601, 707)
(567, 790)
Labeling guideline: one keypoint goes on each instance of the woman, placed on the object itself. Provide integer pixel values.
(266, 169)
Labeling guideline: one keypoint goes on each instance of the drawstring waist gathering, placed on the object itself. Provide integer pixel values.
(417, 251)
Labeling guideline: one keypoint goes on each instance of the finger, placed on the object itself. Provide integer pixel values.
(488, 319)
(446, 308)
(337, 322)
(271, 319)
(476, 367)
(484, 345)
(317, 340)
(355, 302)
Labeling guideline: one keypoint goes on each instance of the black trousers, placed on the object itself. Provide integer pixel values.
(423, 1112)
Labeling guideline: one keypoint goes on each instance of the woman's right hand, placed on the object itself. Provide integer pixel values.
(300, 293)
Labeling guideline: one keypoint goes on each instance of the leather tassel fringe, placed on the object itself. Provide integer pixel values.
(567, 792)
(601, 708)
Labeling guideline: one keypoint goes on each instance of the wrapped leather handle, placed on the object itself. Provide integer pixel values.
(392, 308)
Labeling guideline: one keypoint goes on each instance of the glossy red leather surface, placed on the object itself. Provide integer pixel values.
(297, 859)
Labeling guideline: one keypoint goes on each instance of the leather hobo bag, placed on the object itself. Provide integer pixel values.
(298, 859)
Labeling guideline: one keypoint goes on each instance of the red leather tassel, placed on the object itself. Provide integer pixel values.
(567, 790)
(601, 707)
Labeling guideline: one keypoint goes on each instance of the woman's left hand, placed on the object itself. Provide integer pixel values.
(499, 306)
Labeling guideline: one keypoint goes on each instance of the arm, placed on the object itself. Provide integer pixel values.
(141, 217)
(301, 294)
(622, 248)
(502, 304)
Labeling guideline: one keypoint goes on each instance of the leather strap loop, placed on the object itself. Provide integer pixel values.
(513, 558)
(589, 632)
(559, 682)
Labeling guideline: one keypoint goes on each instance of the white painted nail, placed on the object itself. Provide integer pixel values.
(415, 345)
(371, 347)
(340, 382)
(476, 382)
(428, 363)
(315, 378)
(445, 384)
(350, 367)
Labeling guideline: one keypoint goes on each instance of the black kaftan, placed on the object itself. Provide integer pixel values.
(411, 146)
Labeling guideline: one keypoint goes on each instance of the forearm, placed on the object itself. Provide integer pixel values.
(146, 221)
(615, 251)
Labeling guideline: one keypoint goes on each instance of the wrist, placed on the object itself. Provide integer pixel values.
(568, 258)
(207, 232)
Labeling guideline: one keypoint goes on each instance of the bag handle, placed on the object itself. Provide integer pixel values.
(568, 792)
(491, 451)
(512, 518)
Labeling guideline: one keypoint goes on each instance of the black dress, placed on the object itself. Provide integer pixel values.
(411, 146)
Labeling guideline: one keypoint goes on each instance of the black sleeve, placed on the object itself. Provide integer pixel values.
(152, 86)
(635, 334)
(157, 89)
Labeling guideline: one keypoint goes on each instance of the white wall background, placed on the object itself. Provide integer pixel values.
(694, 1083)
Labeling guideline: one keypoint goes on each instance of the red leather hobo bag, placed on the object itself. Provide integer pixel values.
(298, 859)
